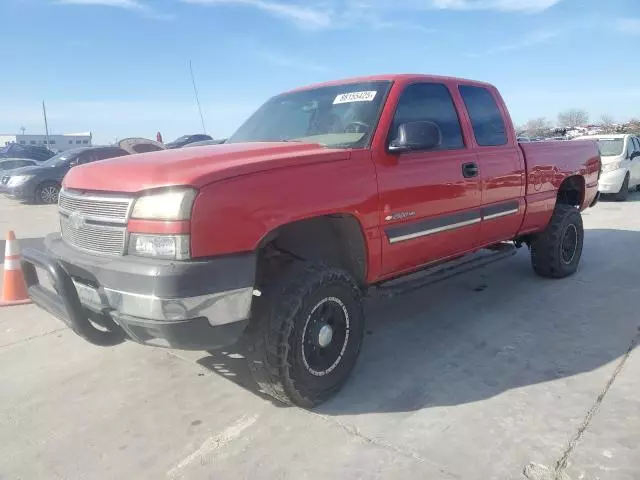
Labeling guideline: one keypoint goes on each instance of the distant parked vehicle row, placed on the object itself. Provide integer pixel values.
(620, 155)
(523, 139)
(41, 182)
(205, 142)
(36, 176)
(140, 145)
(33, 152)
(185, 140)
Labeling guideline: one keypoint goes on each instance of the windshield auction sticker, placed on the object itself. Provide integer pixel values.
(355, 97)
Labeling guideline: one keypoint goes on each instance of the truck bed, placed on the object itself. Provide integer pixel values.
(548, 164)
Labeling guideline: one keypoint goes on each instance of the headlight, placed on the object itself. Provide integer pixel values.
(165, 205)
(610, 167)
(172, 247)
(18, 180)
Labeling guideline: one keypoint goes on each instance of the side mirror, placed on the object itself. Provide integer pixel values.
(422, 135)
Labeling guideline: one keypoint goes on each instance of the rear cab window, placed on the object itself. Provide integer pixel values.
(489, 128)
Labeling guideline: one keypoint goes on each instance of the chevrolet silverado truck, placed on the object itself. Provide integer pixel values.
(275, 236)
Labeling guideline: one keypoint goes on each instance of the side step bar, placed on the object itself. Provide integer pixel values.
(442, 271)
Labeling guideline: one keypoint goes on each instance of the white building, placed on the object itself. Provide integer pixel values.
(57, 143)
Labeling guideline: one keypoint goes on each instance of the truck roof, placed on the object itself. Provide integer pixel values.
(393, 77)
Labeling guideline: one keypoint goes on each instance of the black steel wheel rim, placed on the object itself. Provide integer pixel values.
(569, 244)
(325, 336)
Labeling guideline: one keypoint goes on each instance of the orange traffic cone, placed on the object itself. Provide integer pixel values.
(14, 287)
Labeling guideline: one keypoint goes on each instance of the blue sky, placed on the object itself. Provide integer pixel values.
(121, 67)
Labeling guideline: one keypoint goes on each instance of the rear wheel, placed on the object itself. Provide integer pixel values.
(622, 195)
(306, 335)
(47, 193)
(556, 252)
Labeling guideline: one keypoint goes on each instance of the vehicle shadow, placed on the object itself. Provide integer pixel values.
(36, 242)
(634, 196)
(477, 335)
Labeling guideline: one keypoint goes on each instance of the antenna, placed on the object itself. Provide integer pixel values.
(195, 90)
(46, 126)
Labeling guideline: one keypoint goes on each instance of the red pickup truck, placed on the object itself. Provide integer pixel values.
(275, 235)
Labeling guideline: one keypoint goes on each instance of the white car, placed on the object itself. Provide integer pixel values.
(620, 163)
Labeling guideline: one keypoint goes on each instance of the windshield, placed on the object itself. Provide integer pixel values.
(611, 147)
(58, 160)
(336, 116)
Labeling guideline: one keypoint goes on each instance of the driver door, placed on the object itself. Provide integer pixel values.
(430, 199)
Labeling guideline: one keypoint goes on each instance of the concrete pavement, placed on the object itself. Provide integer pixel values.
(483, 376)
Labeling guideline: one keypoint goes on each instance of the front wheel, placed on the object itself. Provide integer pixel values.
(556, 252)
(306, 335)
(47, 193)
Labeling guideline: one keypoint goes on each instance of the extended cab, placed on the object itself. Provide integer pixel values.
(275, 235)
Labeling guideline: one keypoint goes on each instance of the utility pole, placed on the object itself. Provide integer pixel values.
(195, 90)
(46, 125)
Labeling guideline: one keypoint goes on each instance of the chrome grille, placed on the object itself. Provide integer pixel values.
(94, 238)
(94, 223)
(97, 208)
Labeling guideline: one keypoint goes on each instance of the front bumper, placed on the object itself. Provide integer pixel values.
(195, 305)
(21, 192)
(611, 182)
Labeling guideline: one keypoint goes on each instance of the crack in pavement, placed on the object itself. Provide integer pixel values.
(349, 429)
(17, 342)
(354, 431)
(540, 472)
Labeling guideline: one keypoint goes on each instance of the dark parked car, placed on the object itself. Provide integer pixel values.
(206, 142)
(13, 163)
(34, 152)
(187, 139)
(41, 183)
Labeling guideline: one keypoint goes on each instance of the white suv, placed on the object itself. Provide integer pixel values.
(620, 163)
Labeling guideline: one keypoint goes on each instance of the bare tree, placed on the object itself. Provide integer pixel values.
(607, 123)
(537, 127)
(633, 126)
(573, 118)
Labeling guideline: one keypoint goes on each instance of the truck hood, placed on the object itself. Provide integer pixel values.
(196, 166)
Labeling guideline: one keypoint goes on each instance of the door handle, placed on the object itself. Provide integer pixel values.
(470, 170)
